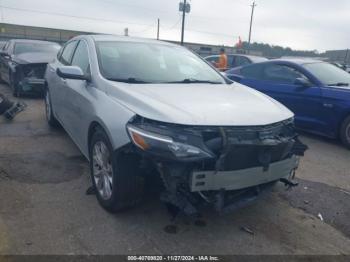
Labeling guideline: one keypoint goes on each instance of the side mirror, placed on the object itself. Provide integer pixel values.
(302, 82)
(72, 72)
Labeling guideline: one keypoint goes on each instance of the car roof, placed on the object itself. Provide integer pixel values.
(248, 56)
(32, 41)
(298, 61)
(104, 37)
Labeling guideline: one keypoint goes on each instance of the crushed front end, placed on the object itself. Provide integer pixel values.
(225, 167)
(29, 78)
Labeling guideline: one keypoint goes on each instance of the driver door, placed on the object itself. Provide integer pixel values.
(280, 82)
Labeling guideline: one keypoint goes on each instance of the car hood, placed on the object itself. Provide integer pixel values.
(34, 58)
(200, 104)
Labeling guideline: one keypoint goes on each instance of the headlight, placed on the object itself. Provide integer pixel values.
(164, 146)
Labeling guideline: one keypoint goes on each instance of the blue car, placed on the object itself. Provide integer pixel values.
(317, 92)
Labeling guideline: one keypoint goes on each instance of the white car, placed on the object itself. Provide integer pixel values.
(137, 107)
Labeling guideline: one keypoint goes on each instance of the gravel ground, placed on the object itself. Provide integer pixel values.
(44, 208)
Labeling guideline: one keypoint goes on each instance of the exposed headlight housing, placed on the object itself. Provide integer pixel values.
(165, 146)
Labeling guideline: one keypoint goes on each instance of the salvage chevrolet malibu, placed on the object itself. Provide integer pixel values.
(23, 64)
(140, 107)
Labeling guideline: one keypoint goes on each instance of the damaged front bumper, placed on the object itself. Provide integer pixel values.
(29, 78)
(226, 167)
(34, 85)
(244, 178)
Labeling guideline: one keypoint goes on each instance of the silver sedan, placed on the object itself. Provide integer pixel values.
(139, 107)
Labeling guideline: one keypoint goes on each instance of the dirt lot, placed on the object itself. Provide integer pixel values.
(44, 208)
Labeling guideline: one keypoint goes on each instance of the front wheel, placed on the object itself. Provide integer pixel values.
(115, 177)
(345, 132)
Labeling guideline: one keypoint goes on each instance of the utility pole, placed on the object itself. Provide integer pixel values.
(251, 23)
(346, 56)
(184, 7)
(183, 23)
(158, 29)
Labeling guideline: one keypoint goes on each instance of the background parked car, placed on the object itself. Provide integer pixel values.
(235, 60)
(317, 92)
(23, 64)
(2, 44)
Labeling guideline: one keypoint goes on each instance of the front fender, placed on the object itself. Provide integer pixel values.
(112, 117)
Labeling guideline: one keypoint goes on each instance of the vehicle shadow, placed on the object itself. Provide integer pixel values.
(318, 138)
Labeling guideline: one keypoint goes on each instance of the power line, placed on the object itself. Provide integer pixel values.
(148, 26)
(72, 16)
(173, 26)
(137, 6)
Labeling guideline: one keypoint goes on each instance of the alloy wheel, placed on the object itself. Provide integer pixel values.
(47, 105)
(102, 170)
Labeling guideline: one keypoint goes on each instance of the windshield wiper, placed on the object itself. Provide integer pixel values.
(131, 80)
(339, 84)
(193, 81)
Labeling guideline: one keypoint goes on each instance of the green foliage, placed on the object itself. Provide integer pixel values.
(274, 51)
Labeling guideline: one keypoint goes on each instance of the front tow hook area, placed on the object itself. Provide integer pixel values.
(289, 183)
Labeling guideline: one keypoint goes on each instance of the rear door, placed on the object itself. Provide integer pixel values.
(58, 85)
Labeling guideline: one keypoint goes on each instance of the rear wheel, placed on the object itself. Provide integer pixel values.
(345, 132)
(51, 119)
(115, 177)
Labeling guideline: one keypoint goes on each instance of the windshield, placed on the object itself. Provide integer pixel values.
(36, 47)
(329, 74)
(257, 59)
(153, 63)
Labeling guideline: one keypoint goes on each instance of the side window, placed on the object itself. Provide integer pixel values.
(231, 60)
(67, 53)
(81, 57)
(281, 74)
(213, 59)
(253, 71)
(242, 61)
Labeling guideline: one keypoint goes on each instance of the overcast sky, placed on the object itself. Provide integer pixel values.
(299, 24)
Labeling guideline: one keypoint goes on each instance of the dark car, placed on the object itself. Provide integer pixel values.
(235, 60)
(317, 92)
(23, 64)
(2, 44)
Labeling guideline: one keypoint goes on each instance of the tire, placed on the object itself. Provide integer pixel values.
(51, 120)
(115, 176)
(345, 132)
(5, 104)
(13, 85)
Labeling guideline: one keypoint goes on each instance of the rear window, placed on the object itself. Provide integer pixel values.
(21, 48)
